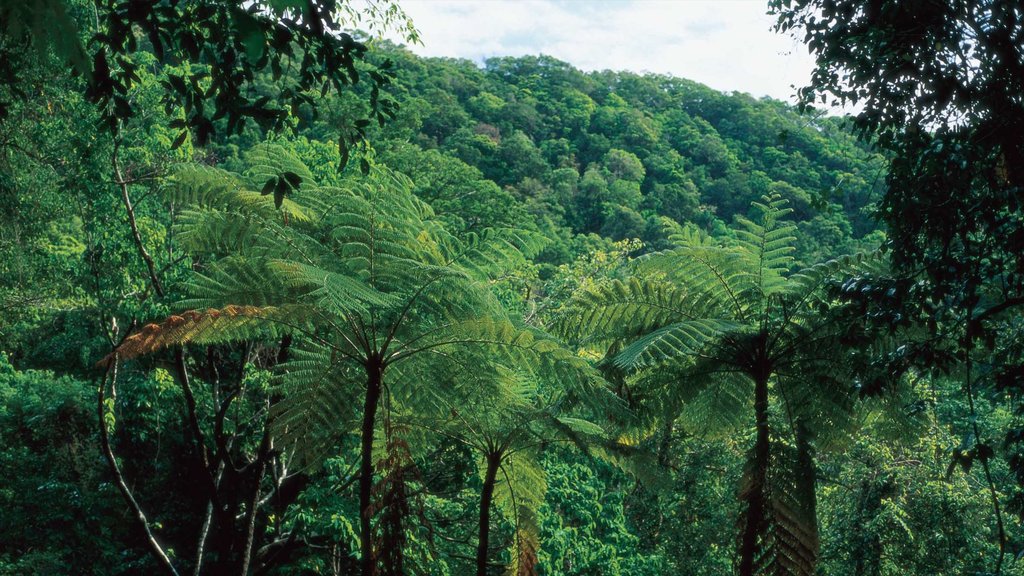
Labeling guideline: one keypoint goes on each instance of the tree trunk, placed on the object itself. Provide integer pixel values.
(754, 491)
(806, 476)
(373, 389)
(486, 495)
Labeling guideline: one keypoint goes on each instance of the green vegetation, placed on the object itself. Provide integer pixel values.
(280, 300)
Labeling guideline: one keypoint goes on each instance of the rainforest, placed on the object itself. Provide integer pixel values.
(280, 296)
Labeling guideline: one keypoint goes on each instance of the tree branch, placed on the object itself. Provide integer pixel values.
(154, 547)
(126, 199)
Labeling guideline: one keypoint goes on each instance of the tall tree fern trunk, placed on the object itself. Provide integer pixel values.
(806, 477)
(754, 491)
(486, 495)
(373, 389)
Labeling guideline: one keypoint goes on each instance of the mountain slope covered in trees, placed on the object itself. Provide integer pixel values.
(618, 154)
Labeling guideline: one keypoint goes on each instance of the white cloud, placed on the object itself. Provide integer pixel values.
(726, 44)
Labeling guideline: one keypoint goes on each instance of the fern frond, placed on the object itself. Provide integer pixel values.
(237, 280)
(320, 401)
(266, 161)
(721, 406)
(724, 278)
(218, 231)
(675, 341)
(690, 236)
(623, 309)
(493, 252)
(211, 326)
(330, 291)
(519, 494)
(202, 186)
(770, 240)
(810, 281)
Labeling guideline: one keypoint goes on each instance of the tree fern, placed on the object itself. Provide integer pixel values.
(508, 431)
(383, 303)
(720, 331)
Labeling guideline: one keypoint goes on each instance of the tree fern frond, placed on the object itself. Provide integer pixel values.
(825, 402)
(722, 277)
(494, 252)
(211, 326)
(691, 236)
(771, 240)
(722, 405)
(218, 231)
(620, 309)
(320, 401)
(526, 545)
(237, 280)
(266, 161)
(809, 281)
(202, 186)
(338, 293)
(519, 494)
(680, 339)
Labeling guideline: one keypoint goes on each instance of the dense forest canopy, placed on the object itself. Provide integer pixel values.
(278, 297)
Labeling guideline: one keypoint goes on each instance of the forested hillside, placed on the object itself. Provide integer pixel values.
(281, 300)
(617, 155)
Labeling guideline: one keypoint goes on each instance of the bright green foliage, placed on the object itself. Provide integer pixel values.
(615, 206)
(586, 530)
(711, 328)
(368, 282)
(49, 464)
(508, 434)
(882, 500)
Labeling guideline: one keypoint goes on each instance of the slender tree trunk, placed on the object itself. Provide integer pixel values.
(127, 200)
(486, 495)
(665, 447)
(154, 547)
(754, 492)
(806, 485)
(254, 502)
(373, 390)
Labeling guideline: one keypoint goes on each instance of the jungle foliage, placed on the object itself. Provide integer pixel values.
(261, 315)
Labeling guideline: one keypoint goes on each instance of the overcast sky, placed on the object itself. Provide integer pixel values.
(725, 44)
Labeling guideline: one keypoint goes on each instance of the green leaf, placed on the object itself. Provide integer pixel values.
(293, 179)
(270, 186)
(251, 35)
(179, 140)
(279, 193)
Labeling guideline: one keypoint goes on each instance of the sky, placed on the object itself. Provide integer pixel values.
(725, 44)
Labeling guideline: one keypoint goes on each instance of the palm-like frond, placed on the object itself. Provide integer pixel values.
(770, 240)
(620, 309)
(679, 339)
(721, 278)
(212, 326)
(321, 394)
(205, 187)
(519, 493)
(267, 161)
